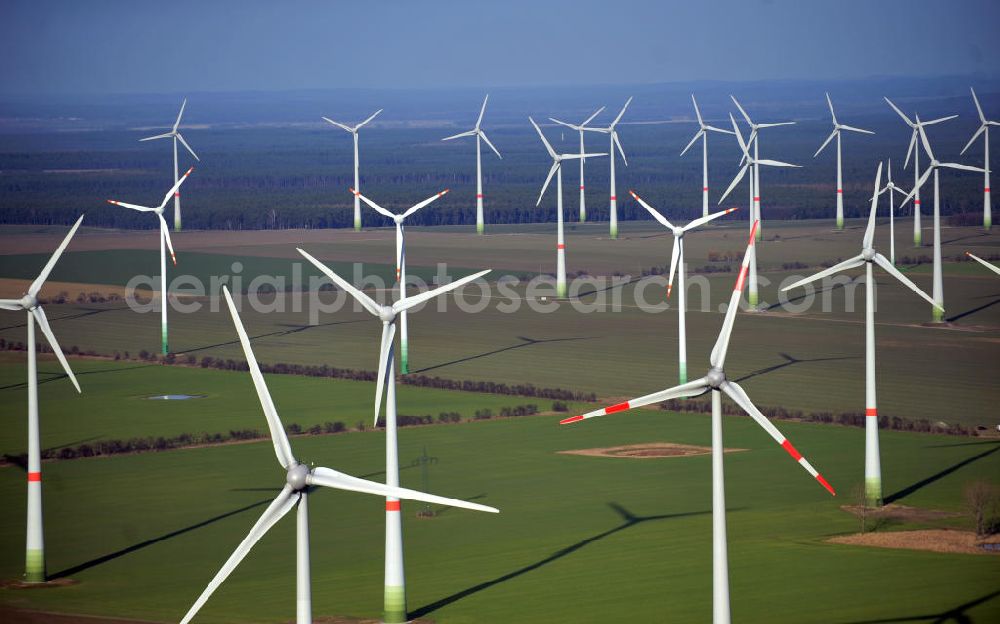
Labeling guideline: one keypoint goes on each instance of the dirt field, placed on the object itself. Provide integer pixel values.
(651, 450)
(933, 540)
(11, 615)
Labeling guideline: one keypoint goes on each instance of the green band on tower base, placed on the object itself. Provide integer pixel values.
(34, 566)
(395, 605)
(873, 491)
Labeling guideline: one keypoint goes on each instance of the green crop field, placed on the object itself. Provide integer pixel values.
(579, 538)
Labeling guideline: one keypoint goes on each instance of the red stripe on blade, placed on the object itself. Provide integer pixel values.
(571, 419)
(824, 483)
(739, 280)
(620, 407)
(392, 505)
(871, 411)
(791, 450)
(34, 476)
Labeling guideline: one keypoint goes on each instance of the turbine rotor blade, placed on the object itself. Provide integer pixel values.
(653, 211)
(482, 111)
(379, 209)
(327, 477)
(975, 136)
(176, 187)
(830, 104)
(487, 139)
(548, 178)
(591, 118)
(988, 265)
(618, 144)
(697, 135)
(339, 125)
(384, 355)
(979, 109)
(961, 167)
(893, 271)
(37, 284)
(180, 137)
(367, 302)
(620, 114)
(853, 129)
(674, 253)
(281, 505)
(712, 217)
(165, 135)
(179, 115)
(459, 135)
(427, 201)
(132, 206)
(690, 389)
(743, 112)
(370, 117)
(43, 323)
(846, 265)
(548, 147)
(419, 298)
(826, 142)
(736, 180)
(282, 449)
(870, 230)
(10, 304)
(701, 122)
(718, 356)
(899, 112)
(165, 233)
(739, 396)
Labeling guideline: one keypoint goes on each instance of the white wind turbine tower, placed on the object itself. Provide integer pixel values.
(937, 312)
(395, 585)
(357, 180)
(889, 188)
(755, 215)
(556, 169)
(34, 556)
(986, 264)
(748, 162)
(869, 257)
(164, 239)
(480, 135)
(613, 132)
(837, 128)
(715, 380)
(913, 150)
(703, 130)
(398, 219)
(299, 480)
(580, 128)
(984, 129)
(176, 136)
(677, 260)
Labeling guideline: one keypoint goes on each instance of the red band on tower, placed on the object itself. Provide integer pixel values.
(560, 246)
(392, 505)
(614, 198)
(871, 411)
(479, 195)
(34, 477)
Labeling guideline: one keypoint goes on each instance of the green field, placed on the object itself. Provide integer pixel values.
(579, 538)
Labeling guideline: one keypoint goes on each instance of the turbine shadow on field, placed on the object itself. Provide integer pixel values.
(155, 540)
(956, 614)
(61, 375)
(527, 342)
(628, 520)
(281, 332)
(972, 311)
(931, 479)
(790, 360)
(70, 317)
(962, 238)
(613, 286)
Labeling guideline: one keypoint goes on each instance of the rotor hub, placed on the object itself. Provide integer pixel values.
(29, 302)
(678, 231)
(386, 315)
(868, 254)
(715, 377)
(296, 477)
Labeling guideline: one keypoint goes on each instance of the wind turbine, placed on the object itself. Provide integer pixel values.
(986, 264)
(937, 312)
(913, 151)
(357, 181)
(715, 380)
(755, 129)
(299, 480)
(395, 586)
(580, 128)
(703, 130)
(398, 219)
(748, 162)
(557, 160)
(984, 129)
(613, 132)
(889, 188)
(176, 136)
(869, 257)
(34, 556)
(837, 128)
(480, 135)
(677, 257)
(164, 238)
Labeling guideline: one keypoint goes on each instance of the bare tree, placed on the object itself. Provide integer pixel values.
(981, 498)
(860, 496)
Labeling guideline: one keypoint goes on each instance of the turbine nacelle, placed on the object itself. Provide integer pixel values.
(298, 477)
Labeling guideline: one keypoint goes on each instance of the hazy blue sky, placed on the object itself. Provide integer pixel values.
(181, 45)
